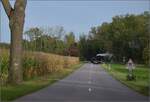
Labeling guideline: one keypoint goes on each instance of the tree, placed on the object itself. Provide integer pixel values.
(83, 47)
(69, 39)
(73, 50)
(16, 17)
(33, 33)
(126, 36)
(55, 32)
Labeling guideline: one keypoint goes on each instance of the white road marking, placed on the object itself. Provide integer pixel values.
(95, 87)
(89, 89)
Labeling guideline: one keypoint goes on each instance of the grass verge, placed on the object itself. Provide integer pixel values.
(141, 84)
(9, 92)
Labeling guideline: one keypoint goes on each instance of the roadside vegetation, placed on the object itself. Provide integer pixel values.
(126, 36)
(11, 92)
(36, 64)
(38, 67)
(45, 50)
(48, 55)
(141, 84)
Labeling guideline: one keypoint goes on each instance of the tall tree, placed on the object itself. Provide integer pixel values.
(33, 33)
(16, 17)
(126, 36)
(70, 39)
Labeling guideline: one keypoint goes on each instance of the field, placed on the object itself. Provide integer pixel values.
(141, 84)
(38, 67)
(9, 92)
(36, 64)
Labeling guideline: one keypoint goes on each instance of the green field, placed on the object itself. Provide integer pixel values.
(9, 93)
(141, 84)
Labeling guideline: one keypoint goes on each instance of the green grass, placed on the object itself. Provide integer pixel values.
(141, 84)
(9, 92)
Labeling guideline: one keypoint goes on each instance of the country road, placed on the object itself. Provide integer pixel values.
(90, 83)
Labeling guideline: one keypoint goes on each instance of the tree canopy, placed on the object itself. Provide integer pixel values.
(126, 36)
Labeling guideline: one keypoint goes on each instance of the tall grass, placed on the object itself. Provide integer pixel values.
(36, 63)
(4, 63)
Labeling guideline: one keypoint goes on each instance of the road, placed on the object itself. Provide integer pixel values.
(90, 83)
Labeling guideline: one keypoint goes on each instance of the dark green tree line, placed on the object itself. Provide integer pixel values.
(126, 36)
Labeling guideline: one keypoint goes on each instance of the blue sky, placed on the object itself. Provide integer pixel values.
(77, 16)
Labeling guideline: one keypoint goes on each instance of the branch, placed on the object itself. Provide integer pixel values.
(7, 7)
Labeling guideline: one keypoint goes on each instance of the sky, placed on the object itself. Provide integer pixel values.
(76, 16)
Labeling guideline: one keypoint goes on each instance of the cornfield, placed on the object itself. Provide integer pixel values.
(36, 63)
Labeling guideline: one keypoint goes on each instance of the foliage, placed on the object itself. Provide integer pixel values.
(71, 47)
(4, 45)
(4, 59)
(69, 39)
(51, 40)
(33, 33)
(126, 36)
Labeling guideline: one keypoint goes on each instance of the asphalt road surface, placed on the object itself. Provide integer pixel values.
(90, 83)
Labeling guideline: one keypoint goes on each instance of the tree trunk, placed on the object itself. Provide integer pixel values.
(16, 23)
